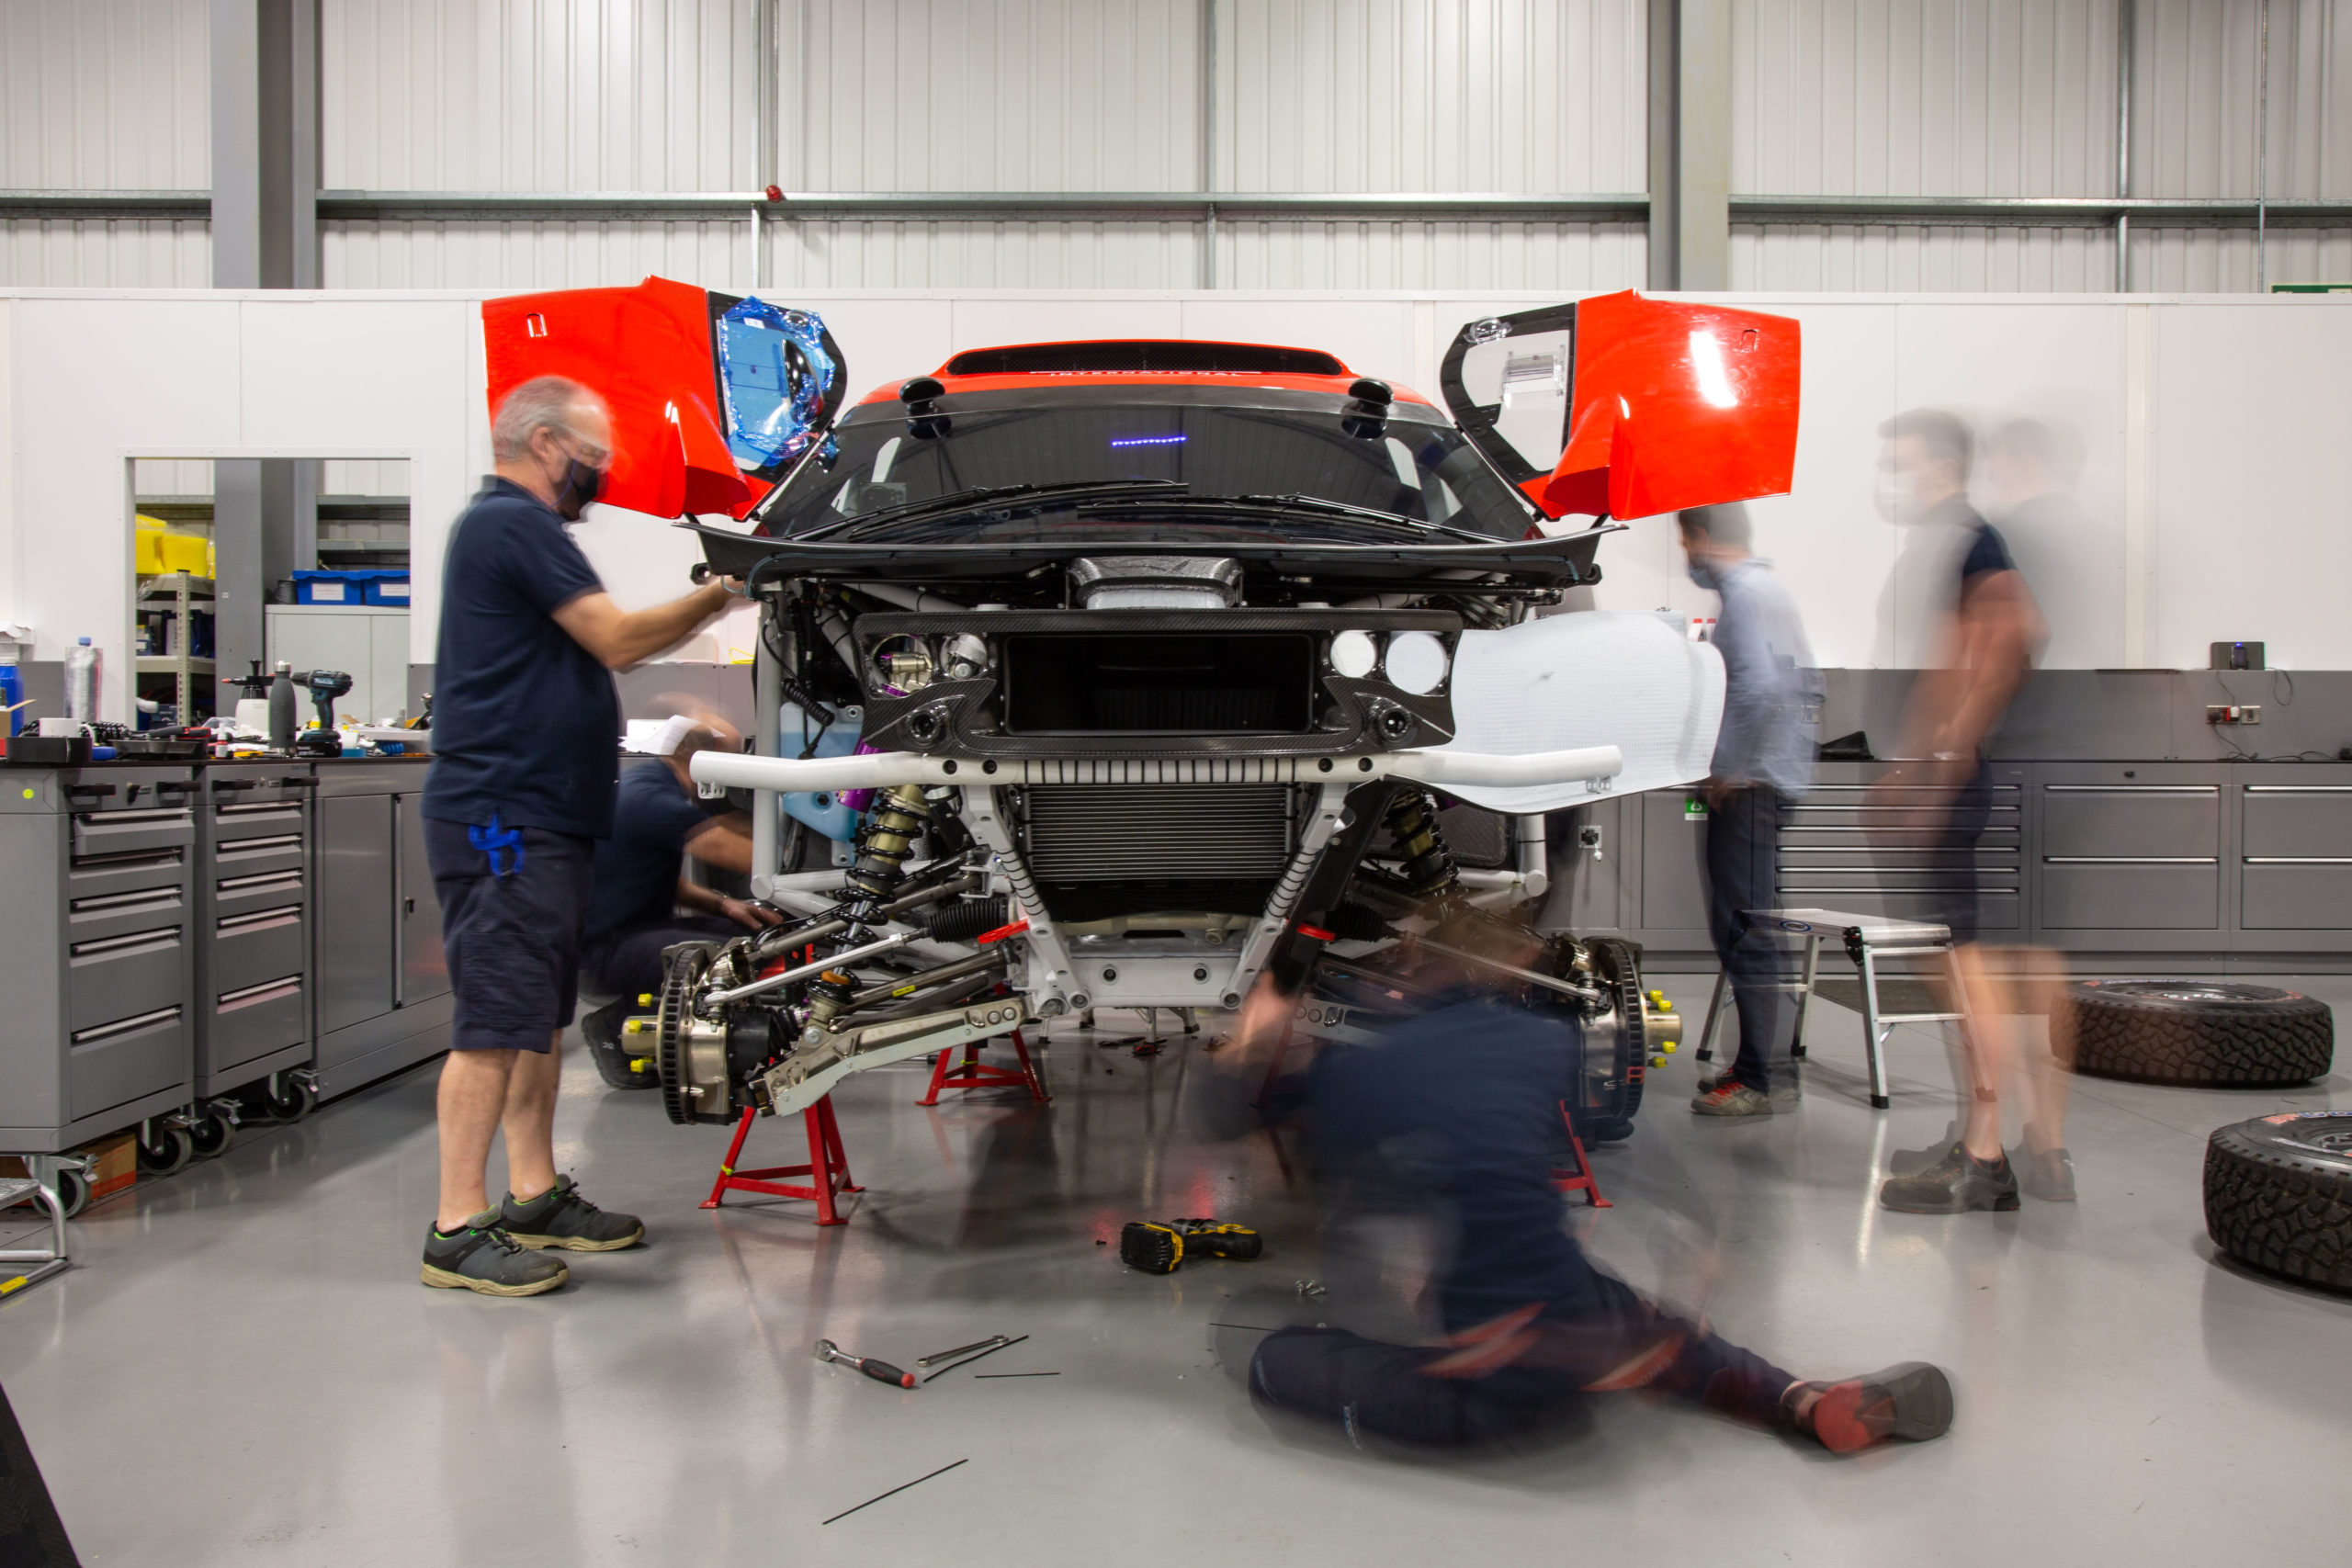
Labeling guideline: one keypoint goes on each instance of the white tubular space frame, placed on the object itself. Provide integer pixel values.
(884, 769)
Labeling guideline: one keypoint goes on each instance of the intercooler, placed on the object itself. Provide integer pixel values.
(1157, 832)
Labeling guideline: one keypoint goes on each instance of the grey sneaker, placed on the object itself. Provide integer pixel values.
(1955, 1185)
(1730, 1096)
(562, 1218)
(2047, 1174)
(479, 1256)
(1786, 1092)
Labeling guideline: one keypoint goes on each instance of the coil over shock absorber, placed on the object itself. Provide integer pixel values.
(1428, 869)
(897, 817)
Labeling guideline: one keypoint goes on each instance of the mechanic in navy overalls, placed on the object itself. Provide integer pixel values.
(526, 741)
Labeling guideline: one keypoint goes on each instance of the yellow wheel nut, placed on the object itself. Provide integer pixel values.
(645, 999)
(1668, 1046)
(1657, 1061)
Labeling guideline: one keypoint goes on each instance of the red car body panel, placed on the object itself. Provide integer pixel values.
(1675, 405)
(646, 351)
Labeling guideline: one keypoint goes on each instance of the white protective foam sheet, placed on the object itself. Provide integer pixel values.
(1586, 679)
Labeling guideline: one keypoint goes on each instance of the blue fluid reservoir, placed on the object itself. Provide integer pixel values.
(822, 809)
(12, 692)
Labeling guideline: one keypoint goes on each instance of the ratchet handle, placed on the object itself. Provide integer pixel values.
(883, 1372)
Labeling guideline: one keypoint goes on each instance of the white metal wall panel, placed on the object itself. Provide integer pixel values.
(538, 94)
(1835, 258)
(503, 256)
(111, 95)
(1924, 97)
(99, 252)
(990, 95)
(1530, 95)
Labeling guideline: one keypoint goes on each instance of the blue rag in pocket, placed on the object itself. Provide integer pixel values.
(494, 840)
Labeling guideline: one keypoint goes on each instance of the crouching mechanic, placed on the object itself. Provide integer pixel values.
(1464, 1101)
(635, 911)
(526, 741)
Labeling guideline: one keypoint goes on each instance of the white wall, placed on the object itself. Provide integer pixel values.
(2211, 498)
(1875, 96)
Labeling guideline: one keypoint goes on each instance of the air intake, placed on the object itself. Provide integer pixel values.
(1176, 355)
(1157, 832)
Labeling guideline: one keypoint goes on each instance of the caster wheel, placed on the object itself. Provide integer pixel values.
(290, 1101)
(72, 1191)
(211, 1137)
(166, 1150)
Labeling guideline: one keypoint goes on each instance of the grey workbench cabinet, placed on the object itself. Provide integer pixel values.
(99, 964)
(383, 986)
(2161, 866)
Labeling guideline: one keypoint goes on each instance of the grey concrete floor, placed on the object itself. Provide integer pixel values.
(243, 1368)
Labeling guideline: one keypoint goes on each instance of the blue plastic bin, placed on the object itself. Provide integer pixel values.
(377, 586)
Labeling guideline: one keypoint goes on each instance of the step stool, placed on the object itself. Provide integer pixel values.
(1866, 938)
(827, 1165)
(973, 1073)
(46, 1261)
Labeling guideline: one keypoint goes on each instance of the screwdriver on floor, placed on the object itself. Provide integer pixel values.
(880, 1372)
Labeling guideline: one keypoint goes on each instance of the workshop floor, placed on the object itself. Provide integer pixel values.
(243, 1368)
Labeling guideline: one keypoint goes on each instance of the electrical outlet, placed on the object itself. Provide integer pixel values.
(2234, 713)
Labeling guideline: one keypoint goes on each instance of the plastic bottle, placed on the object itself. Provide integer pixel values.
(12, 685)
(281, 710)
(82, 676)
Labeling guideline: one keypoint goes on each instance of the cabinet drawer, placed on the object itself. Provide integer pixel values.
(90, 916)
(251, 947)
(232, 857)
(254, 890)
(252, 1021)
(2131, 819)
(2288, 894)
(2298, 822)
(130, 871)
(116, 1062)
(119, 832)
(2130, 894)
(256, 819)
(114, 977)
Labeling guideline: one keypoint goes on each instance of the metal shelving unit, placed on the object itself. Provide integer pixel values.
(180, 593)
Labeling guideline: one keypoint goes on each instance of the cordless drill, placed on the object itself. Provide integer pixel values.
(1160, 1249)
(324, 686)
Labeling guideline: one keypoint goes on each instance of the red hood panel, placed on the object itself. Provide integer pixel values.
(646, 350)
(1676, 405)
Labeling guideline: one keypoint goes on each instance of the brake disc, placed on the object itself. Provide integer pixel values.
(673, 1021)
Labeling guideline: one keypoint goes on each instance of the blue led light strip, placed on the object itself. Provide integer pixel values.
(1149, 441)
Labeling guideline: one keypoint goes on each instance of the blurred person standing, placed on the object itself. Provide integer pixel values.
(1991, 630)
(1764, 753)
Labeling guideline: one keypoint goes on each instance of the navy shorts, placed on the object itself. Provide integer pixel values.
(511, 922)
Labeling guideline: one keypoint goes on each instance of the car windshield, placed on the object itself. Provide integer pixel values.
(1422, 471)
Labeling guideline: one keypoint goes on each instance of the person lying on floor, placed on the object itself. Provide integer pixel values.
(1464, 1102)
(634, 911)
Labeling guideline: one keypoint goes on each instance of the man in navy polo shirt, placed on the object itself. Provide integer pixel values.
(525, 739)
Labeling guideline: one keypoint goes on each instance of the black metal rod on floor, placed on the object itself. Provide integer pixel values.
(895, 1491)
(976, 1376)
(969, 1360)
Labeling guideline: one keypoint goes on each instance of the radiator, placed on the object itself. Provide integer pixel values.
(1157, 832)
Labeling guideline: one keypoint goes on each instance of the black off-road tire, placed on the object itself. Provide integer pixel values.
(2203, 1033)
(2279, 1195)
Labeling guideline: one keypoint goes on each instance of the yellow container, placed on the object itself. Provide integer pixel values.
(186, 552)
(145, 546)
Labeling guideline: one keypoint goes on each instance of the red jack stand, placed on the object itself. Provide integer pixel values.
(1581, 1179)
(827, 1164)
(973, 1073)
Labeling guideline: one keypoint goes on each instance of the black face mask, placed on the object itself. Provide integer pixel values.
(582, 485)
